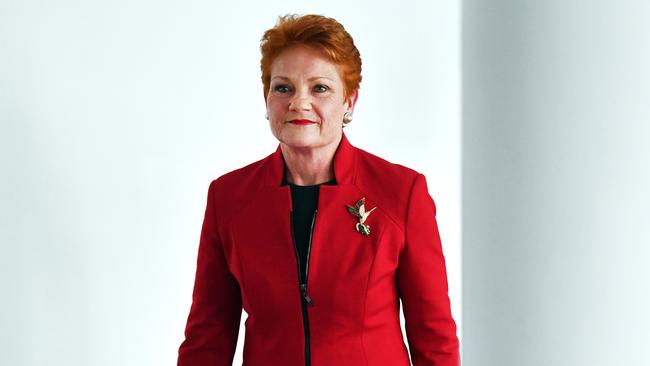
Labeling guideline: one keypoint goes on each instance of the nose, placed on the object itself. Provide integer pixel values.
(301, 101)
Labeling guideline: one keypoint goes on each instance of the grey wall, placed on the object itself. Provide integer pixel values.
(556, 202)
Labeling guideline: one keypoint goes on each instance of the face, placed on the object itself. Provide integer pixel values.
(306, 101)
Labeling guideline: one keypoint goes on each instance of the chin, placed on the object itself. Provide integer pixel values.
(299, 139)
(299, 142)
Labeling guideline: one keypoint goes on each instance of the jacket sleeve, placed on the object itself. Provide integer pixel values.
(422, 284)
(213, 321)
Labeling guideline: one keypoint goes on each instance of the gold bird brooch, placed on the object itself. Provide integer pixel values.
(359, 211)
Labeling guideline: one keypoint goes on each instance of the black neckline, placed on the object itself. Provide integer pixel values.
(331, 182)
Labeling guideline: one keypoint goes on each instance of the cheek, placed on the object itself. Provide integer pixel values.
(275, 104)
(333, 109)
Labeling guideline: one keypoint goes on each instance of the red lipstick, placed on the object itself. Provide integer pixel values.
(301, 122)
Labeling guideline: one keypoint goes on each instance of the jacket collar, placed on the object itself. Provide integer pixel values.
(344, 164)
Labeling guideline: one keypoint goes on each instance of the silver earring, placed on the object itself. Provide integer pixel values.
(266, 115)
(347, 118)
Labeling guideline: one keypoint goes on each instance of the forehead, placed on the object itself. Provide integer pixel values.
(299, 61)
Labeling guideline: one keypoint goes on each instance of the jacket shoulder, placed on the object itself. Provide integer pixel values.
(373, 166)
(245, 176)
(234, 187)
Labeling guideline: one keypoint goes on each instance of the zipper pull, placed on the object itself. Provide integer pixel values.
(303, 288)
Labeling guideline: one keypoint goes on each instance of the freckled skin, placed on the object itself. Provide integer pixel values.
(305, 85)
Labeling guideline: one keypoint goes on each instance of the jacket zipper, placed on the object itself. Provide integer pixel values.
(304, 297)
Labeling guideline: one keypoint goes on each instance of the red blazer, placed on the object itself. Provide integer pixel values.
(246, 259)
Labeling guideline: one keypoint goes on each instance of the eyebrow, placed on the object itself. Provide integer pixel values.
(310, 79)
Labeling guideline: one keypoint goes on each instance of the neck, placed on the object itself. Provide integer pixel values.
(308, 166)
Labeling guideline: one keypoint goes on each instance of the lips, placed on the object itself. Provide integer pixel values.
(301, 122)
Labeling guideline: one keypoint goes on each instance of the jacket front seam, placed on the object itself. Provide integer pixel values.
(365, 297)
(226, 224)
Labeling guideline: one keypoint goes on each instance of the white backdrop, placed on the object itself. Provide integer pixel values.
(115, 117)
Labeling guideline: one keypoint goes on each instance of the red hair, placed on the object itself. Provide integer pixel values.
(318, 32)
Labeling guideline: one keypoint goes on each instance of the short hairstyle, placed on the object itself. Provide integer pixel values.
(317, 32)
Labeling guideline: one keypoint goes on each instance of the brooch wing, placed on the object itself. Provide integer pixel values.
(358, 210)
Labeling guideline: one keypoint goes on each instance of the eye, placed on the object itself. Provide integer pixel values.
(320, 88)
(281, 88)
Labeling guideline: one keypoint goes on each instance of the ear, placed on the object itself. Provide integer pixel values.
(351, 100)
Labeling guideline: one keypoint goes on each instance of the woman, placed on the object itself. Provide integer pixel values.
(318, 241)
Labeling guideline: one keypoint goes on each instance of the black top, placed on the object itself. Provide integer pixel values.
(304, 202)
